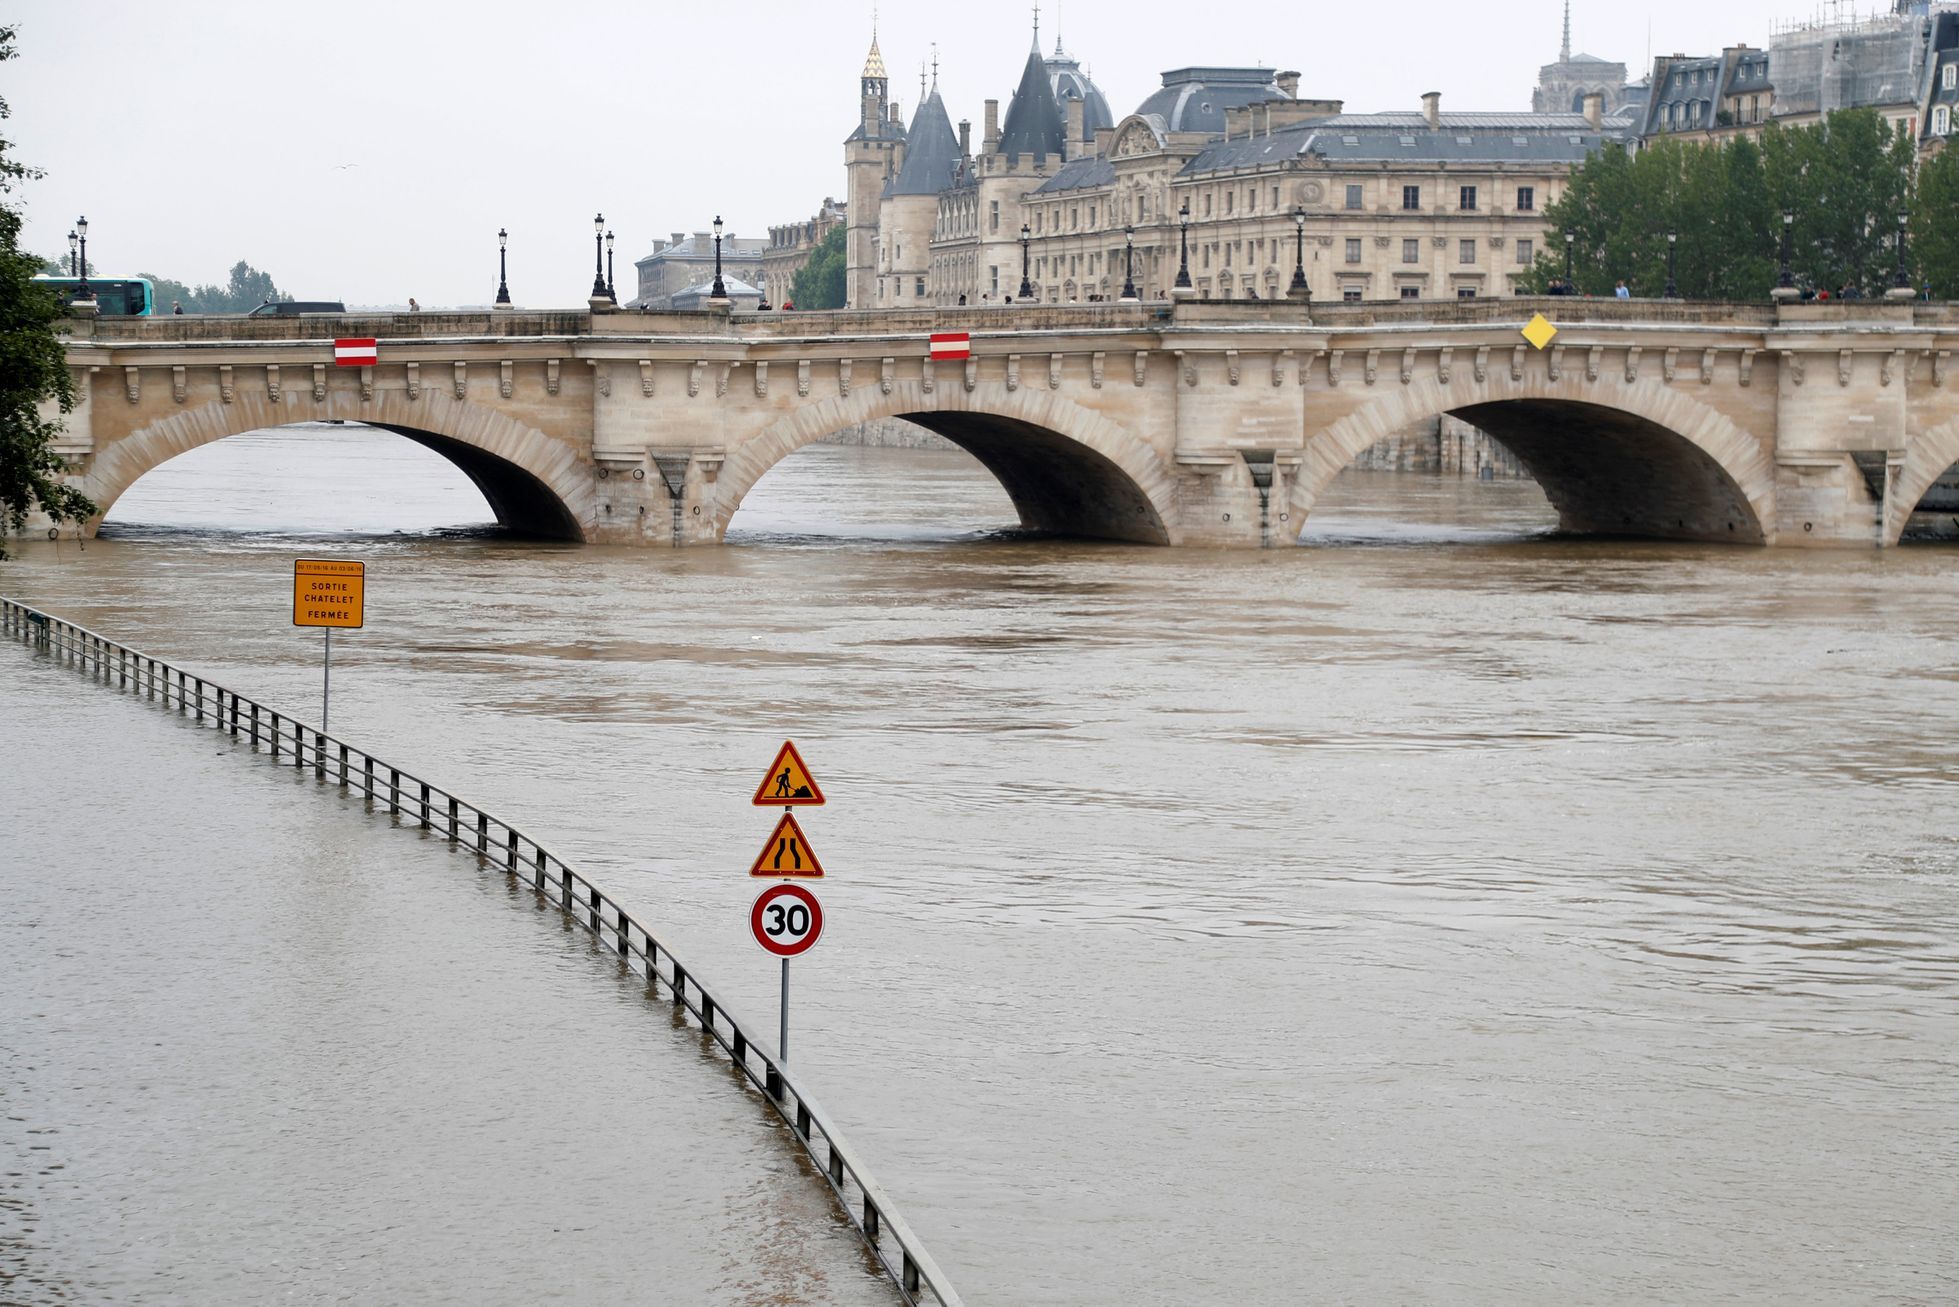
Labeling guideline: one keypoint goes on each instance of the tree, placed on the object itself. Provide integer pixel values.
(820, 282)
(1934, 236)
(33, 367)
(1845, 179)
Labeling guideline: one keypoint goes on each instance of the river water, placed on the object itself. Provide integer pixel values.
(1441, 912)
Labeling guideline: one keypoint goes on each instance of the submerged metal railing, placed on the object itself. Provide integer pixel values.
(499, 845)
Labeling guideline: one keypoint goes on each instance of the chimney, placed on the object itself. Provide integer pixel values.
(895, 118)
(1072, 149)
(965, 138)
(991, 141)
(1288, 83)
(1432, 110)
(679, 236)
(1595, 110)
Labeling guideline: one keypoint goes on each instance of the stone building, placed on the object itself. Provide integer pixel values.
(686, 261)
(1563, 86)
(790, 246)
(1895, 63)
(1397, 205)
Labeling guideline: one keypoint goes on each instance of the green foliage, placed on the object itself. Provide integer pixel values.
(1846, 180)
(33, 367)
(247, 289)
(1934, 235)
(820, 284)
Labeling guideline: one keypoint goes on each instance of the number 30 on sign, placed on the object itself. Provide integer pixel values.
(786, 920)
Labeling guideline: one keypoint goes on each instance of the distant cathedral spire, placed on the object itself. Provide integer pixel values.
(1564, 51)
(1037, 27)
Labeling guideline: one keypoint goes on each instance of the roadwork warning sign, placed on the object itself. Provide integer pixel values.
(328, 592)
(788, 783)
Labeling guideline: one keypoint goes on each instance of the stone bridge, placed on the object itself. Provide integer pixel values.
(1193, 423)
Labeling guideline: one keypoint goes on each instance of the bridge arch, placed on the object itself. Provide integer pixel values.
(1067, 469)
(1613, 457)
(1932, 455)
(536, 485)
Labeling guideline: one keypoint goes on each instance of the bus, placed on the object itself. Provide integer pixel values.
(115, 297)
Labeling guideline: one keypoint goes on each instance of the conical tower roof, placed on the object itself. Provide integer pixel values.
(874, 61)
(931, 151)
(1034, 123)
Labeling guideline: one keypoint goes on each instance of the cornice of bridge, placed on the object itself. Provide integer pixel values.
(1188, 326)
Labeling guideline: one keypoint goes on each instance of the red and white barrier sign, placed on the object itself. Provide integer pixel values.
(356, 353)
(951, 346)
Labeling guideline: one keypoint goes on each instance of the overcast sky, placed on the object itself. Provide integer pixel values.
(370, 152)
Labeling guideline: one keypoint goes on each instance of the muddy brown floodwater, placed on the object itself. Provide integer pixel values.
(1443, 911)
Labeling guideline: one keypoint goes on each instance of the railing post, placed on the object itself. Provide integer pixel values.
(909, 1276)
(275, 736)
(870, 1221)
(394, 789)
(540, 868)
(741, 1048)
(595, 902)
(564, 881)
(707, 1011)
(482, 834)
(679, 984)
(425, 805)
(625, 934)
(802, 1118)
(452, 819)
(200, 698)
(367, 770)
(772, 1084)
(254, 728)
(343, 766)
(510, 852)
(652, 966)
(319, 756)
(836, 1164)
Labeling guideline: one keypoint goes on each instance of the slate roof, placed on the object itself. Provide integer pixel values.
(1033, 123)
(932, 155)
(1194, 99)
(1065, 77)
(1079, 175)
(1368, 139)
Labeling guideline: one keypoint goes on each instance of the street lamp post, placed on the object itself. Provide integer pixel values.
(1901, 286)
(1299, 290)
(1183, 245)
(71, 252)
(1673, 246)
(1785, 286)
(503, 268)
(1026, 286)
(611, 288)
(1129, 295)
(1570, 244)
(598, 258)
(83, 293)
(717, 293)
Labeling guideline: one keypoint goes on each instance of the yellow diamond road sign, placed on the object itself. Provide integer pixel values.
(1539, 331)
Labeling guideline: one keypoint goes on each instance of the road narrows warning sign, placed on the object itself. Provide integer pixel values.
(787, 853)
(788, 783)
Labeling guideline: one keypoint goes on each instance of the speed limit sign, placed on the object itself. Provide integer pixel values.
(786, 920)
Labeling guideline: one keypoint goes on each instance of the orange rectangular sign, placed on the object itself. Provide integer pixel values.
(328, 592)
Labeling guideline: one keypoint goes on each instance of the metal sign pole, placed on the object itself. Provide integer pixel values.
(326, 678)
(782, 1044)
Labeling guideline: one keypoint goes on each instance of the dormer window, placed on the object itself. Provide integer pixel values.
(1942, 121)
(1950, 77)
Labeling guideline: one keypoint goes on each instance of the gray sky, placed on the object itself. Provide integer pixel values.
(194, 133)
